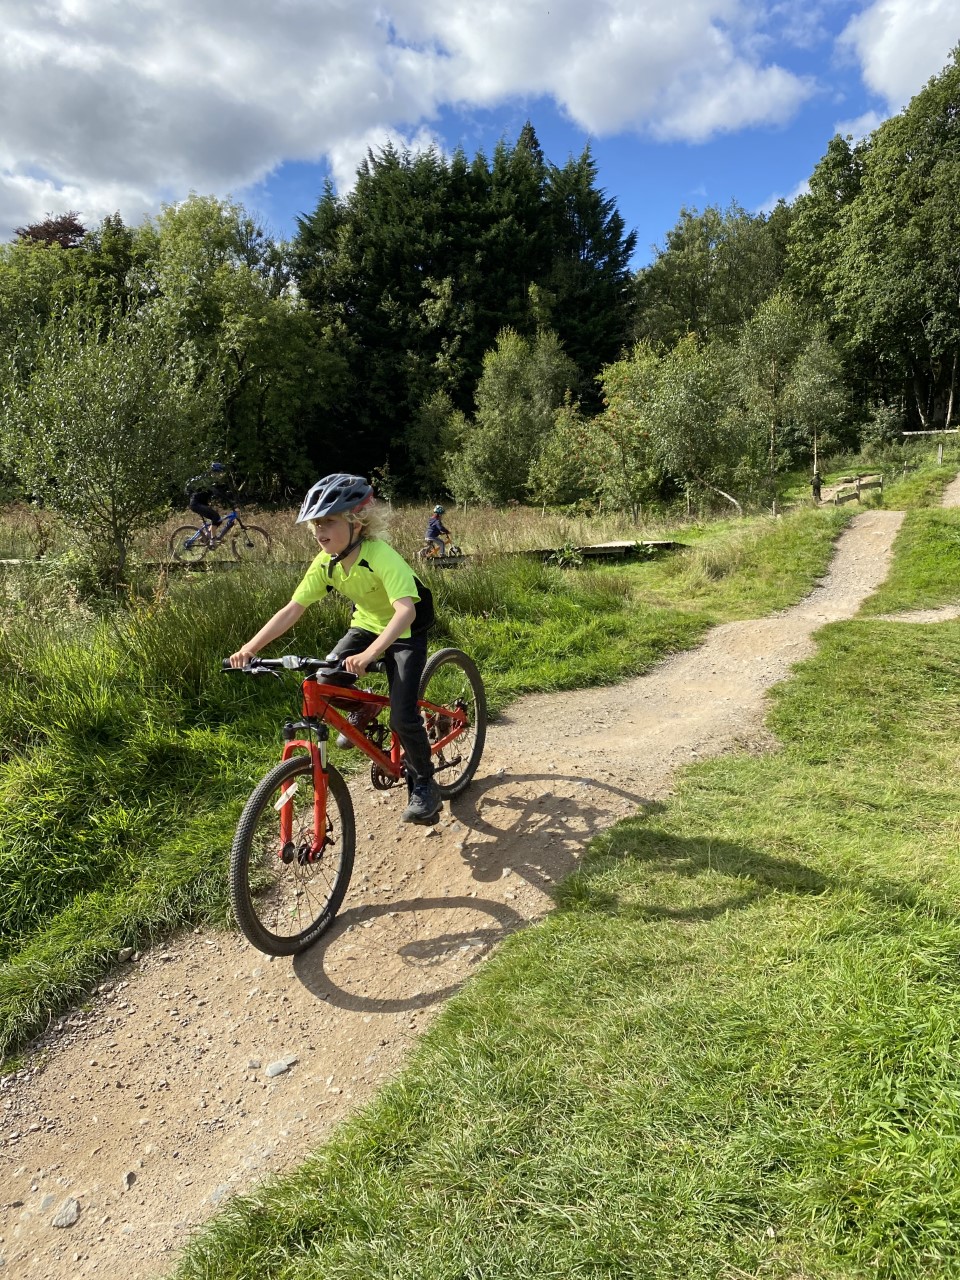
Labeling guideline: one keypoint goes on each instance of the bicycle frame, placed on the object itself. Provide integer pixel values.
(216, 533)
(320, 716)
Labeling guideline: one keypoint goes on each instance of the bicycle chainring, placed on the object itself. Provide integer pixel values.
(382, 781)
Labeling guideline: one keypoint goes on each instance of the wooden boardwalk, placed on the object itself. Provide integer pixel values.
(618, 550)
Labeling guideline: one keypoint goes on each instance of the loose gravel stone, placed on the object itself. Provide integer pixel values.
(67, 1214)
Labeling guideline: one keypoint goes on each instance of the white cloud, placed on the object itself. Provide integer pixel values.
(860, 127)
(110, 105)
(345, 155)
(900, 44)
(771, 202)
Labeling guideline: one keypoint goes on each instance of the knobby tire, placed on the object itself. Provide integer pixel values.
(449, 676)
(178, 545)
(283, 908)
(251, 543)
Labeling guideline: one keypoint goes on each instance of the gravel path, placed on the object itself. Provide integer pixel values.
(200, 1068)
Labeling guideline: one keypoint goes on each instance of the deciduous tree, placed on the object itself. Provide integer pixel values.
(522, 385)
(107, 420)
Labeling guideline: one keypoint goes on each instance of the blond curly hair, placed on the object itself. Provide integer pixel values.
(373, 519)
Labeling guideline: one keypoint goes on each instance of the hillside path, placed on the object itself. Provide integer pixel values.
(147, 1110)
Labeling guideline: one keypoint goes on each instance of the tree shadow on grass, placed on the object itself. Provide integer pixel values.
(652, 854)
(656, 852)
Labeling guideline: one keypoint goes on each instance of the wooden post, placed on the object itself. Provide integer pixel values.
(940, 454)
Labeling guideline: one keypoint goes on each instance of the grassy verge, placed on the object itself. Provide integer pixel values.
(916, 489)
(731, 1051)
(926, 570)
(127, 755)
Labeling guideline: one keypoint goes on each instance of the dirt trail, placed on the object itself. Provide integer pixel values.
(152, 1107)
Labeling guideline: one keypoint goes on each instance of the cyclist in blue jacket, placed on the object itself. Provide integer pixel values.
(436, 527)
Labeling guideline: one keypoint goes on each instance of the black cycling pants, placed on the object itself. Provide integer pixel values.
(205, 512)
(404, 660)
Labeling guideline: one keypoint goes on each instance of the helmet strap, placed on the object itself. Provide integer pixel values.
(352, 546)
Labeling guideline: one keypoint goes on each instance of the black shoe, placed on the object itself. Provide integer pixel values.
(361, 718)
(425, 803)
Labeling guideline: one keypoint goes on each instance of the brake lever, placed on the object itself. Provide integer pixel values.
(248, 669)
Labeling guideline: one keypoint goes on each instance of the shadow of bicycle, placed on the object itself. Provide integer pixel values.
(422, 951)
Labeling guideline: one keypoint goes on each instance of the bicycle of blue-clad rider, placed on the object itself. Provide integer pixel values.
(189, 544)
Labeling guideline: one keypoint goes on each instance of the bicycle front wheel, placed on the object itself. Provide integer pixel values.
(283, 896)
(189, 544)
(450, 679)
(251, 543)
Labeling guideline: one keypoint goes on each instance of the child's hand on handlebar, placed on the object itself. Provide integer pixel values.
(357, 663)
(243, 655)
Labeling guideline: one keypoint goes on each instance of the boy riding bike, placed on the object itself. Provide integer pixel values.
(435, 529)
(392, 612)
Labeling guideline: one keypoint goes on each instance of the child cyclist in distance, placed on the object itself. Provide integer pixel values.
(435, 528)
(392, 612)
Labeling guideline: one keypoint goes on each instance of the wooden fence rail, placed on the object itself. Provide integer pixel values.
(851, 490)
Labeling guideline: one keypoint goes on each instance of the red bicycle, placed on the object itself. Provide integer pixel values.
(293, 851)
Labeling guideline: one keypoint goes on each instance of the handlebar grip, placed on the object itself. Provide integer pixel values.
(248, 669)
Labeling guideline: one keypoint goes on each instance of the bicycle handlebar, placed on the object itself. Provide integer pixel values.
(332, 671)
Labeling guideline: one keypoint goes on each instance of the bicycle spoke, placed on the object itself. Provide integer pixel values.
(285, 895)
(251, 543)
(188, 544)
(451, 680)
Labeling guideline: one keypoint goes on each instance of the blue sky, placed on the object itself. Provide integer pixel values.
(109, 105)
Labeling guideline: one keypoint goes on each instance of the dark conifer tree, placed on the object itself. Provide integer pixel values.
(428, 259)
(589, 274)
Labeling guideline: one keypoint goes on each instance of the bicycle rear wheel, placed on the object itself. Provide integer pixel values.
(283, 901)
(189, 544)
(451, 679)
(251, 543)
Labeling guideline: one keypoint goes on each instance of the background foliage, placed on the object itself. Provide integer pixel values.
(471, 326)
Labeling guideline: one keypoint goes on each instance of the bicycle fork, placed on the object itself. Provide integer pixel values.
(317, 747)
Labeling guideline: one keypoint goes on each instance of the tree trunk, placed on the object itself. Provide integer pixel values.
(723, 494)
(923, 409)
(953, 386)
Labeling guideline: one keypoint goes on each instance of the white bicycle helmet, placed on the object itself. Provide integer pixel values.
(334, 495)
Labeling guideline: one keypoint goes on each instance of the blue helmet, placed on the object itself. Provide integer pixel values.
(217, 467)
(333, 495)
(438, 510)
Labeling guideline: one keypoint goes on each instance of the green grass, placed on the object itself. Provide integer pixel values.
(926, 569)
(733, 1050)
(920, 488)
(126, 755)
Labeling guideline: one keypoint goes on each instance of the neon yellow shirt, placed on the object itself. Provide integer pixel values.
(376, 580)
